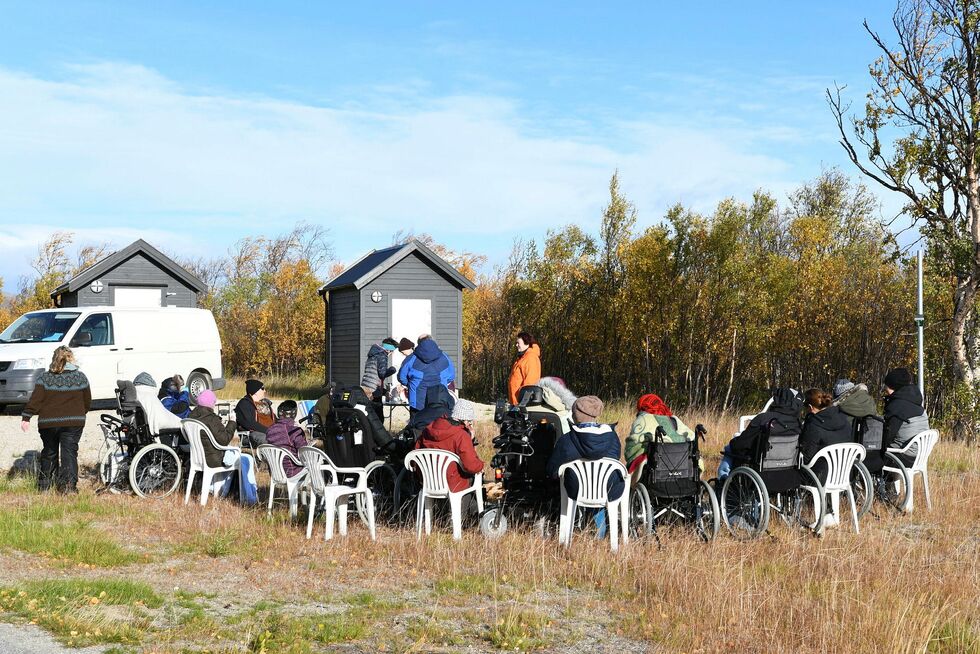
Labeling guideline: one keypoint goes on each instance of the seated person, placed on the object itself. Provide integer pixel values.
(823, 425)
(854, 400)
(439, 403)
(157, 416)
(223, 433)
(651, 413)
(254, 412)
(904, 414)
(288, 435)
(175, 397)
(784, 410)
(455, 434)
(587, 439)
(556, 399)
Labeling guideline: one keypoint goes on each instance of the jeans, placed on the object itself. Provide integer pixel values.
(726, 465)
(61, 470)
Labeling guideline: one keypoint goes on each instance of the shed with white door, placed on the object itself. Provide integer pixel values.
(402, 291)
(138, 275)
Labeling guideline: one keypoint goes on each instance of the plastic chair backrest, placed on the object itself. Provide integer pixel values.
(840, 459)
(593, 479)
(924, 441)
(313, 460)
(274, 456)
(432, 464)
(194, 432)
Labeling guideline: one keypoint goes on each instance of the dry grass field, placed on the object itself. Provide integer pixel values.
(158, 576)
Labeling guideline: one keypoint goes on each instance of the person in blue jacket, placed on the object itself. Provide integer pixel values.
(175, 397)
(426, 368)
(587, 439)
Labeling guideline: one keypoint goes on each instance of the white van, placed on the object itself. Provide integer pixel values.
(112, 343)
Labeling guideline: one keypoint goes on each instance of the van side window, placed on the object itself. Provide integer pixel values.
(99, 326)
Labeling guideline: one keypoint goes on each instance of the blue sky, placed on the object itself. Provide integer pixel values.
(195, 124)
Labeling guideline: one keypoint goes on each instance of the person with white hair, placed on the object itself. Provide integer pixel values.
(455, 434)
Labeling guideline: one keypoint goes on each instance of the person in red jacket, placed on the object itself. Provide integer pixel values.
(455, 434)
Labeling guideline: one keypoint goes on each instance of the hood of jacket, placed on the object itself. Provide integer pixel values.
(144, 379)
(377, 351)
(906, 401)
(787, 402)
(428, 351)
(858, 402)
(532, 352)
(592, 442)
(830, 419)
(442, 430)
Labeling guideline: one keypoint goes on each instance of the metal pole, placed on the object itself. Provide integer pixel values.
(920, 322)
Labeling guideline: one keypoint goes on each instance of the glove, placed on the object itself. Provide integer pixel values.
(390, 371)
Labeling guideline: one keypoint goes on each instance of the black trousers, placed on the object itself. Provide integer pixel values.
(61, 470)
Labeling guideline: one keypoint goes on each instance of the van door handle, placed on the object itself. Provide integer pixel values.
(128, 349)
(113, 349)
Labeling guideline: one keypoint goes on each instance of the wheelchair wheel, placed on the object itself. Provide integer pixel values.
(641, 512)
(892, 485)
(155, 471)
(112, 466)
(493, 524)
(863, 488)
(381, 480)
(745, 504)
(707, 513)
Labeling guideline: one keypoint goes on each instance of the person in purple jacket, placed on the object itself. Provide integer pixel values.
(288, 435)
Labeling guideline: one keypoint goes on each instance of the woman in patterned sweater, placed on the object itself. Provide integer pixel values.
(60, 400)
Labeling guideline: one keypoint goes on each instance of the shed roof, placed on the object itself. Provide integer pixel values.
(376, 262)
(104, 265)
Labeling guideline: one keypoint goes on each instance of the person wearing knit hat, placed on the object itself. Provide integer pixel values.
(652, 413)
(842, 386)
(223, 433)
(905, 416)
(254, 413)
(405, 346)
(455, 435)
(587, 439)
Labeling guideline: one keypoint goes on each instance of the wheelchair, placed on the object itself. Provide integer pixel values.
(882, 475)
(772, 480)
(354, 437)
(151, 464)
(523, 446)
(667, 489)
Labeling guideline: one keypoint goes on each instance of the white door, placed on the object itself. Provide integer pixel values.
(409, 319)
(137, 297)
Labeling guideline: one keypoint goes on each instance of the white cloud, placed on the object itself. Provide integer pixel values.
(114, 145)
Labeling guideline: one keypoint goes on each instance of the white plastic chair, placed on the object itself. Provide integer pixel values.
(195, 432)
(334, 495)
(433, 465)
(923, 442)
(839, 459)
(593, 478)
(274, 457)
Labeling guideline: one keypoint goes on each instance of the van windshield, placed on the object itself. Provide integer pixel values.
(49, 327)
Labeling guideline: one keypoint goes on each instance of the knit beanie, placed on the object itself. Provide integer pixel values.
(586, 409)
(207, 398)
(464, 410)
(253, 386)
(897, 378)
(404, 345)
(144, 379)
(841, 386)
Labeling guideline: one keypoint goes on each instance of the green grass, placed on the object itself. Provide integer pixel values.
(430, 630)
(466, 584)
(954, 636)
(521, 631)
(293, 635)
(59, 528)
(73, 610)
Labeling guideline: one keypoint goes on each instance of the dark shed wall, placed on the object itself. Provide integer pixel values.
(413, 278)
(344, 316)
(136, 271)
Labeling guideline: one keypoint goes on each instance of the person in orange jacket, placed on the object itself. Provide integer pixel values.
(527, 368)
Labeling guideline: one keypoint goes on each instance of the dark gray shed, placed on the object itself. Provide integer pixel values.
(137, 275)
(401, 291)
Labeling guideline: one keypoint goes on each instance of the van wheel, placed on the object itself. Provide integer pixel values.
(197, 383)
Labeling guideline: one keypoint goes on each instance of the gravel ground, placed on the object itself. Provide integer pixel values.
(18, 449)
(29, 639)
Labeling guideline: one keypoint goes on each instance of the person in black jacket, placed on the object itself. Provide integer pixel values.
(824, 425)
(904, 414)
(782, 418)
(254, 413)
(439, 403)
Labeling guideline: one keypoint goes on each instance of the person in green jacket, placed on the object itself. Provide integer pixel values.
(854, 400)
(652, 413)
